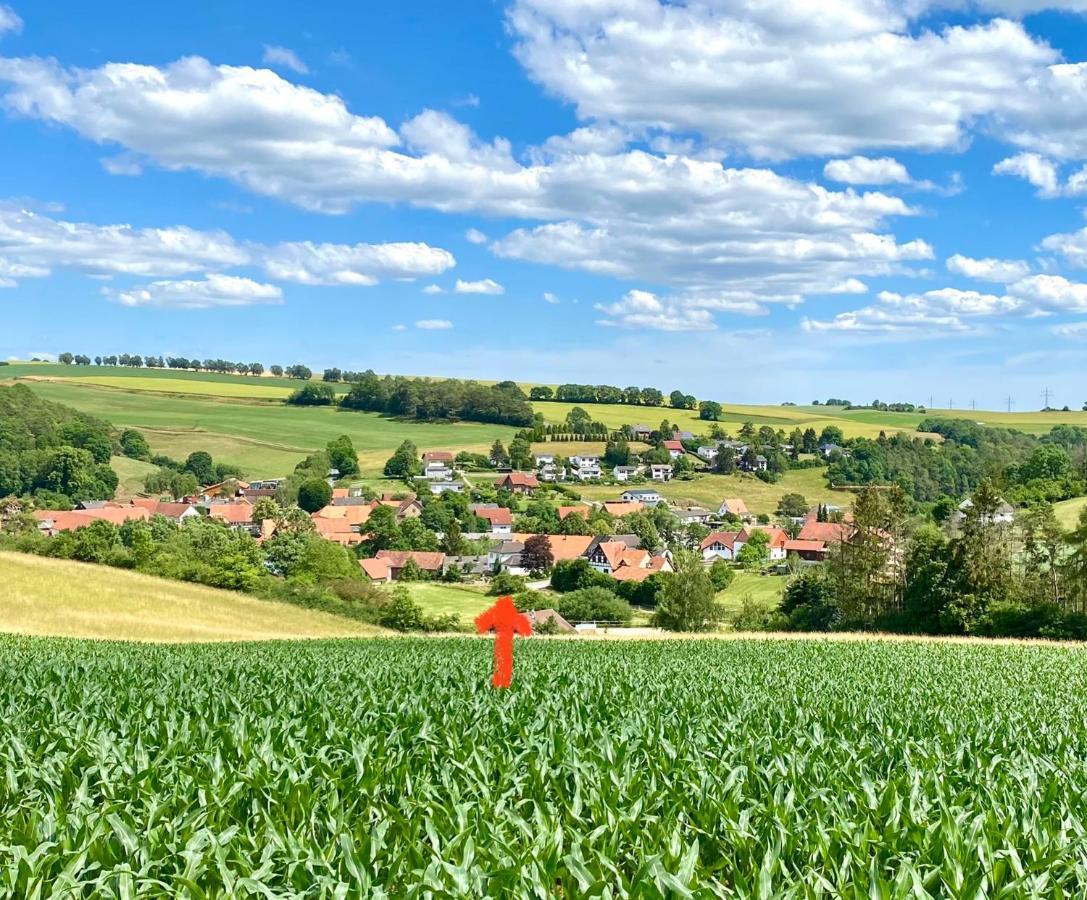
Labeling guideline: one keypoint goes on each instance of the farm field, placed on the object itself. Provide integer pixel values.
(674, 768)
(44, 596)
(709, 490)
(266, 440)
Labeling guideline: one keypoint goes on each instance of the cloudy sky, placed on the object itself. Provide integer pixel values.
(755, 200)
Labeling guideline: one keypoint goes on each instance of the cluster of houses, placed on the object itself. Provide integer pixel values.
(811, 545)
(618, 556)
(586, 467)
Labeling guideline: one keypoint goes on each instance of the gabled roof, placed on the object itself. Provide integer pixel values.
(673, 445)
(497, 516)
(172, 510)
(59, 520)
(828, 532)
(799, 546)
(579, 510)
(377, 569)
(622, 508)
(428, 562)
(349, 515)
(518, 479)
(232, 513)
(724, 538)
(735, 505)
(438, 456)
(642, 492)
(563, 546)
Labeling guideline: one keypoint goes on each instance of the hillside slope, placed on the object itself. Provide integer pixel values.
(68, 599)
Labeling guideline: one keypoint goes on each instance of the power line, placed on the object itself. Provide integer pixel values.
(1046, 394)
(1011, 403)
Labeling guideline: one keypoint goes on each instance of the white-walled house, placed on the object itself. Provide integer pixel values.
(585, 467)
(661, 472)
(720, 545)
(625, 473)
(648, 496)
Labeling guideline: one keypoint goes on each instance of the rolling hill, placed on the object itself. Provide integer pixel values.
(49, 597)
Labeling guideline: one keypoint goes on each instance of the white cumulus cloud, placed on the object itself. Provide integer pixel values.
(988, 269)
(864, 170)
(484, 286)
(434, 324)
(475, 236)
(214, 290)
(10, 23)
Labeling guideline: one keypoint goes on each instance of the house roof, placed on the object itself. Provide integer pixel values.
(642, 492)
(799, 546)
(348, 515)
(172, 510)
(64, 520)
(377, 569)
(673, 445)
(579, 510)
(724, 538)
(641, 428)
(518, 479)
(614, 552)
(496, 516)
(620, 508)
(232, 513)
(428, 562)
(641, 573)
(438, 456)
(735, 505)
(563, 546)
(538, 616)
(340, 493)
(828, 532)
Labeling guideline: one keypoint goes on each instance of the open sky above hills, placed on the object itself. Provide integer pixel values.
(868, 198)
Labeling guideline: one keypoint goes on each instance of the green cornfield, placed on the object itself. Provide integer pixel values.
(682, 769)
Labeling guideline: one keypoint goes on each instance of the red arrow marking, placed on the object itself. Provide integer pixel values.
(505, 621)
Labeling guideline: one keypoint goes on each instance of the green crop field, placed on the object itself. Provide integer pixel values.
(388, 768)
(68, 599)
(1068, 511)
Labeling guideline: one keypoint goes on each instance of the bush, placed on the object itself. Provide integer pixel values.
(576, 575)
(721, 575)
(1042, 621)
(134, 445)
(753, 617)
(313, 395)
(594, 604)
(504, 583)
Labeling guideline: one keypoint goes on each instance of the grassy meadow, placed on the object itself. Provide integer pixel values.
(69, 599)
(786, 769)
(709, 490)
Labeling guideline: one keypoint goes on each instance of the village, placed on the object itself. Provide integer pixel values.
(599, 532)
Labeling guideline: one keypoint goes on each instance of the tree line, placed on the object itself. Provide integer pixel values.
(426, 399)
(221, 366)
(1024, 467)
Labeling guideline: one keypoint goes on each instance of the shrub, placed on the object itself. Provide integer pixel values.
(504, 583)
(721, 575)
(594, 604)
(313, 395)
(576, 574)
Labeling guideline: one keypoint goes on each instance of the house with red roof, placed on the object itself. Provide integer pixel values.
(499, 518)
(720, 545)
(675, 448)
(809, 551)
(518, 483)
(827, 532)
(388, 564)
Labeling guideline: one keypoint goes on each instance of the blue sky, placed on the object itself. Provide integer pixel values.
(755, 201)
